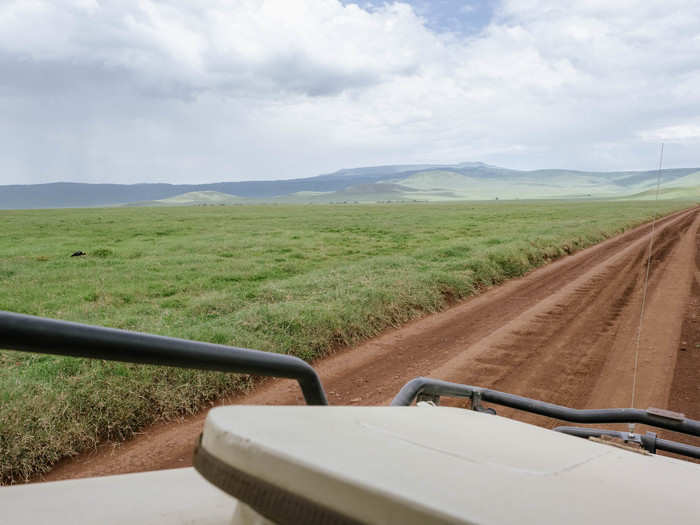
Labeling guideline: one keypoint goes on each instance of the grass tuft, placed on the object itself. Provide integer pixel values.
(103, 252)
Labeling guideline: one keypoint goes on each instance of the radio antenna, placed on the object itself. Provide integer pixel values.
(646, 285)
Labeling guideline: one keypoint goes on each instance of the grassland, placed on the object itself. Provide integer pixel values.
(301, 280)
(679, 193)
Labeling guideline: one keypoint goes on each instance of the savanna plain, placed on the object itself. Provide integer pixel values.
(294, 279)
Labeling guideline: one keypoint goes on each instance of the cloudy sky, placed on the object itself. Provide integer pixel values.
(201, 91)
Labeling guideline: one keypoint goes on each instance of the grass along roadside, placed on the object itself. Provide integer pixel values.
(302, 280)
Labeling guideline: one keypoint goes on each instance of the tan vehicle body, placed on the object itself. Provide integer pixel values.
(384, 465)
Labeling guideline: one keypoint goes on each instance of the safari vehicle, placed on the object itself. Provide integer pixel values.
(399, 464)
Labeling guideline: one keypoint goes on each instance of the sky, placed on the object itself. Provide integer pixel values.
(188, 91)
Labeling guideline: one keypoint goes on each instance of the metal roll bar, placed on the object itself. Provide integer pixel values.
(435, 388)
(48, 336)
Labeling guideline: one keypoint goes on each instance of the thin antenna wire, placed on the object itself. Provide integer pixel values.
(646, 280)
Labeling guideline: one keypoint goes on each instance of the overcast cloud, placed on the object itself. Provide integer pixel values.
(195, 91)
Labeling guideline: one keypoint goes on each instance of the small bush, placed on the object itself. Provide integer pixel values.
(103, 252)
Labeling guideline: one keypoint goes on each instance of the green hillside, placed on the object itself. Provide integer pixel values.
(471, 181)
(473, 184)
(681, 193)
(195, 198)
(489, 183)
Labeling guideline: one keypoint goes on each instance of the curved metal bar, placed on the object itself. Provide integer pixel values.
(424, 385)
(49, 336)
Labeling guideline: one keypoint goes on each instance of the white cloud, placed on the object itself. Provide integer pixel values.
(681, 133)
(230, 90)
(316, 47)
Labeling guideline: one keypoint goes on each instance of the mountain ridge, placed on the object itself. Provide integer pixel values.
(433, 182)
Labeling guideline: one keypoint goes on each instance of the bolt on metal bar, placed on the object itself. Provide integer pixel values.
(648, 441)
(50, 336)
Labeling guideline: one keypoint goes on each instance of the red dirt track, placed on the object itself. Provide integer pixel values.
(564, 333)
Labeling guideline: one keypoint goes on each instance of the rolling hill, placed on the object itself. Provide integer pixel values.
(194, 198)
(427, 182)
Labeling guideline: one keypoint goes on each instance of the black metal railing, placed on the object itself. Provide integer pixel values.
(49, 336)
(435, 388)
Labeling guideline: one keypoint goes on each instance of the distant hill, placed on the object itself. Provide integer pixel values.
(194, 198)
(691, 193)
(422, 182)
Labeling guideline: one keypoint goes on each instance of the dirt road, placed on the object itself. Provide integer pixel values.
(564, 334)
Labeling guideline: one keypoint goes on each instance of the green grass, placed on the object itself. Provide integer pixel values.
(302, 280)
(679, 193)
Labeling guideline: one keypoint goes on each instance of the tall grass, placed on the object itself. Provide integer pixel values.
(302, 280)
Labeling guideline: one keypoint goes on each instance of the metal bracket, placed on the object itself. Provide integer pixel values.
(667, 414)
(648, 441)
(429, 398)
(476, 404)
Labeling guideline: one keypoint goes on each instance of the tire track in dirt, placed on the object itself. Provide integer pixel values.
(577, 347)
(684, 396)
(563, 333)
